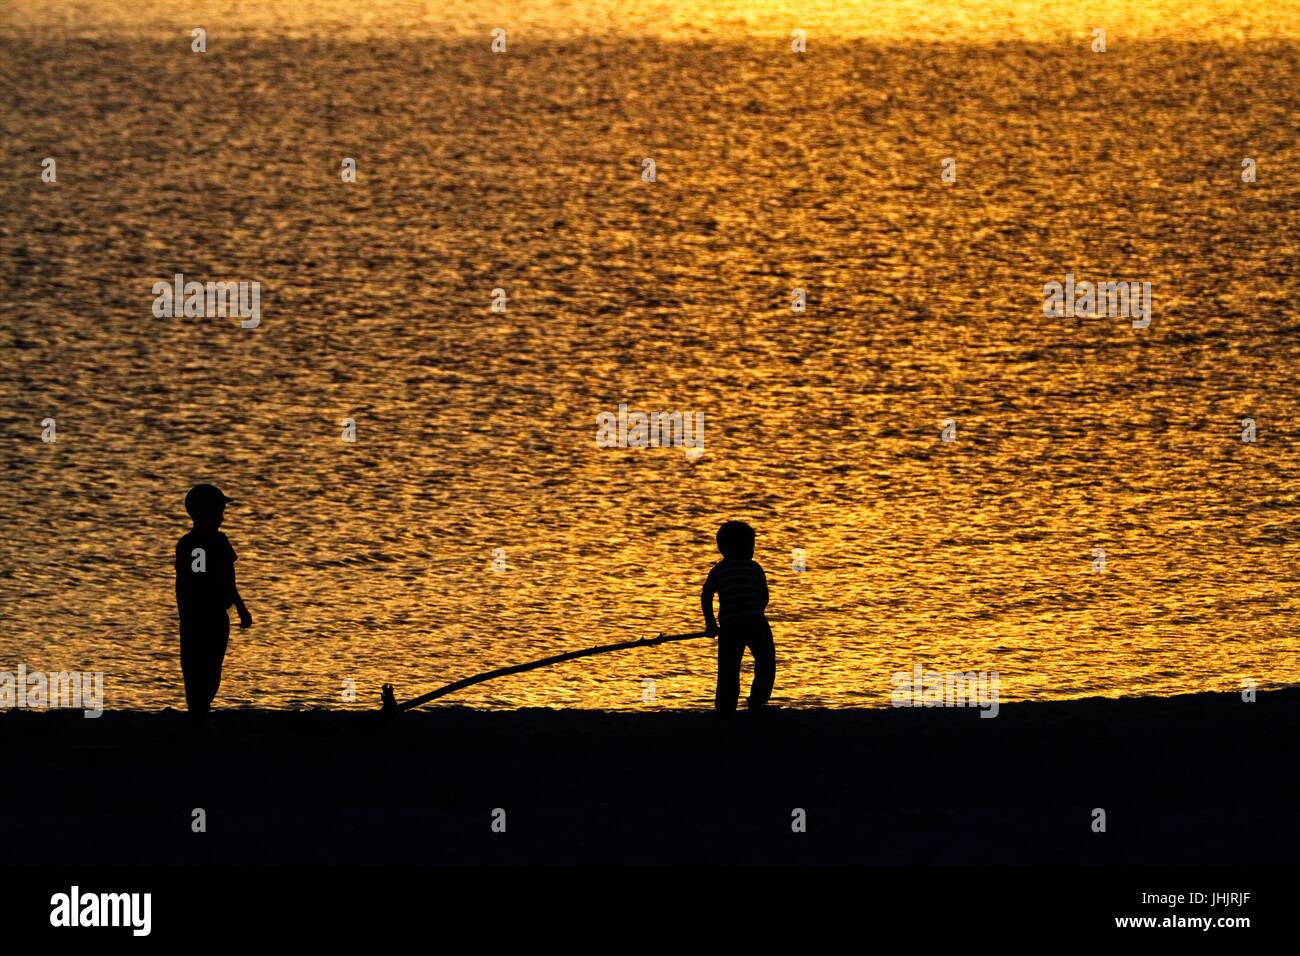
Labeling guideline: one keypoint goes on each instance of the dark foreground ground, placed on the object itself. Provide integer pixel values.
(1194, 779)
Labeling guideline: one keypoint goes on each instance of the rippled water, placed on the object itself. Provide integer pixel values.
(371, 561)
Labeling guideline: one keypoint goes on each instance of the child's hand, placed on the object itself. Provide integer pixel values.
(245, 619)
(710, 629)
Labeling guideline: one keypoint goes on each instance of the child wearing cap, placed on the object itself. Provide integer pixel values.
(205, 589)
(741, 588)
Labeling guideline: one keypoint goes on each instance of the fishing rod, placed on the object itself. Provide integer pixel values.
(392, 707)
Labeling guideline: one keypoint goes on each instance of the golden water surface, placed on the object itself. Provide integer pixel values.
(371, 561)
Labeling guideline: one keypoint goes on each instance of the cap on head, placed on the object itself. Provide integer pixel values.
(204, 501)
(736, 540)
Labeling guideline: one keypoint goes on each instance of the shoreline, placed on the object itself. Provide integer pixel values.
(1199, 778)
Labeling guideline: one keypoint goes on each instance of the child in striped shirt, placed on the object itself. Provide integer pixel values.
(741, 587)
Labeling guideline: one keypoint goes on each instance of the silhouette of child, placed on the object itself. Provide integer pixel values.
(205, 588)
(741, 587)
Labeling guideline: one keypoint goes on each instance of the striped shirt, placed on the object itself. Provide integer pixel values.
(741, 588)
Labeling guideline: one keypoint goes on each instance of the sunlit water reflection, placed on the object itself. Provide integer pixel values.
(371, 561)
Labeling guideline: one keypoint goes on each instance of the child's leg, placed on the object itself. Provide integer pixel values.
(192, 670)
(220, 640)
(764, 651)
(203, 648)
(731, 648)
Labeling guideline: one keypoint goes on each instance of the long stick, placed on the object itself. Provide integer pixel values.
(392, 706)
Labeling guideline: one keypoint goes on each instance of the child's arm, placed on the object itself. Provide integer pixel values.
(706, 604)
(245, 619)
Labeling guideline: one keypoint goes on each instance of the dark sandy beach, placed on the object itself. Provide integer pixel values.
(1200, 779)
